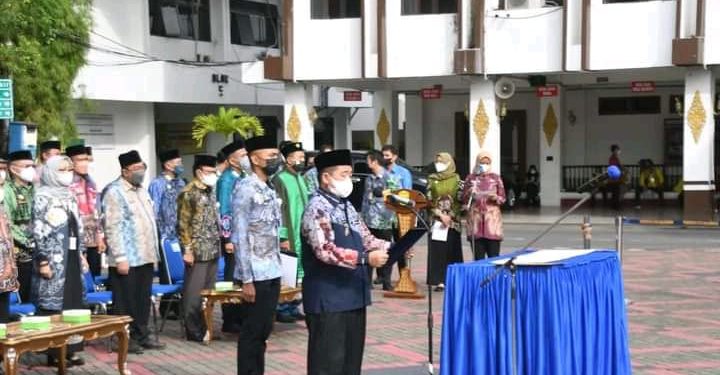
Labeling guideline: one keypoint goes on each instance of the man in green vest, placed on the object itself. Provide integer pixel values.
(290, 186)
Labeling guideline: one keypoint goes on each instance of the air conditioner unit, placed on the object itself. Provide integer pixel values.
(524, 4)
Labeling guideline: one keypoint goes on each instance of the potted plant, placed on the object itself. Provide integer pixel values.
(226, 122)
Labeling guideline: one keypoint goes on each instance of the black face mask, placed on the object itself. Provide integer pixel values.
(299, 167)
(386, 162)
(272, 166)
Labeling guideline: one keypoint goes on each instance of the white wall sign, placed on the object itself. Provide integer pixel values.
(97, 130)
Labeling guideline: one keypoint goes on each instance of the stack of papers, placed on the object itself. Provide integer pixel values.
(544, 257)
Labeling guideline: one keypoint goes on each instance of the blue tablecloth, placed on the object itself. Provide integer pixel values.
(571, 319)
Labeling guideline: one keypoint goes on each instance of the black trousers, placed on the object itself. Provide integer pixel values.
(256, 323)
(230, 311)
(336, 342)
(484, 247)
(25, 270)
(131, 296)
(384, 273)
(94, 258)
(5, 307)
(200, 276)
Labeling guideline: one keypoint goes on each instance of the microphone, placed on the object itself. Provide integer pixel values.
(401, 201)
(612, 173)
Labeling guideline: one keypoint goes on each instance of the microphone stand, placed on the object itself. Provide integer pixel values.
(471, 223)
(430, 321)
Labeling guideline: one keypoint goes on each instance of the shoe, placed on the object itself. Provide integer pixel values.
(285, 318)
(133, 347)
(439, 288)
(232, 329)
(195, 339)
(75, 360)
(55, 362)
(387, 287)
(153, 345)
(377, 281)
(298, 315)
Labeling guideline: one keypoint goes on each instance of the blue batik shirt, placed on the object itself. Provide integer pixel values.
(164, 191)
(257, 218)
(225, 187)
(374, 212)
(311, 180)
(400, 176)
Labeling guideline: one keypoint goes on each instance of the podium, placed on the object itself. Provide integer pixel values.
(407, 219)
(570, 318)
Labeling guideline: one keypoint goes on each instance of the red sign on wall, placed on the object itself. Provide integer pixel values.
(547, 91)
(352, 96)
(642, 86)
(434, 92)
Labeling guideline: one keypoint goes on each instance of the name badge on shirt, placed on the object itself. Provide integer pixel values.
(73, 243)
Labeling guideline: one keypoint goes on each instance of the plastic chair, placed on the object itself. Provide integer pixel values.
(94, 296)
(17, 308)
(175, 272)
(221, 268)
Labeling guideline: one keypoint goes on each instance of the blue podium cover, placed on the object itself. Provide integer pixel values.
(571, 318)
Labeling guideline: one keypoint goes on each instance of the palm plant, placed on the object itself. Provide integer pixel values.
(226, 122)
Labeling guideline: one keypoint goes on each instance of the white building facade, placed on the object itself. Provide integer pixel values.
(426, 75)
(583, 74)
(153, 65)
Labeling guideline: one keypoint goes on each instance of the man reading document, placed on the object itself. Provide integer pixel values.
(337, 250)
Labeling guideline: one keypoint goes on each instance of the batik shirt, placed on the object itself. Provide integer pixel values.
(56, 221)
(83, 187)
(164, 192)
(374, 211)
(8, 268)
(311, 180)
(257, 219)
(130, 230)
(225, 187)
(18, 207)
(321, 213)
(485, 218)
(198, 226)
(400, 176)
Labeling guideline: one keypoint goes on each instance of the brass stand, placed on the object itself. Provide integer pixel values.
(406, 286)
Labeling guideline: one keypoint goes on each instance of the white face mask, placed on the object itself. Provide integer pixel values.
(482, 168)
(27, 174)
(91, 169)
(441, 167)
(65, 178)
(342, 188)
(244, 163)
(210, 179)
(3, 177)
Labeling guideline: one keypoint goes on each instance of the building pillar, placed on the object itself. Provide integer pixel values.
(414, 150)
(299, 115)
(383, 118)
(550, 149)
(484, 122)
(698, 145)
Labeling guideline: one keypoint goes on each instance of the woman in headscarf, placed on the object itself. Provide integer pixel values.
(8, 269)
(443, 189)
(484, 193)
(58, 281)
